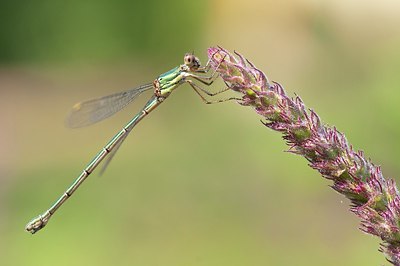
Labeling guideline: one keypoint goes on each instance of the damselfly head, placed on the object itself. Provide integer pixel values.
(191, 61)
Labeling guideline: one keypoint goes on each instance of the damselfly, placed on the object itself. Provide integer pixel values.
(92, 111)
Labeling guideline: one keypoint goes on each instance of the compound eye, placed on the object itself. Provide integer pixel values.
(189, 59)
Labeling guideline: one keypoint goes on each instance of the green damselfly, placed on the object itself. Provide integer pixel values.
(92, 111)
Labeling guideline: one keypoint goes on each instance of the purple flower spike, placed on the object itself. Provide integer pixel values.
(374, 199)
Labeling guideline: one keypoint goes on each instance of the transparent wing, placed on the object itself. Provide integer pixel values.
(111, 155)
(95, 110)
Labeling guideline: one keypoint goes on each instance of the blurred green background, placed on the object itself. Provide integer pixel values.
(194, 184)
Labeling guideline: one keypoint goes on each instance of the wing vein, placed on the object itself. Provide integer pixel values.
(94, 110)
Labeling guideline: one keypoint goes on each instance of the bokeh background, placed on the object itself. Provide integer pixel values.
(194, 184)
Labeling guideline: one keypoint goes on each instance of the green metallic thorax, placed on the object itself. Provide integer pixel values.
(168, 81)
